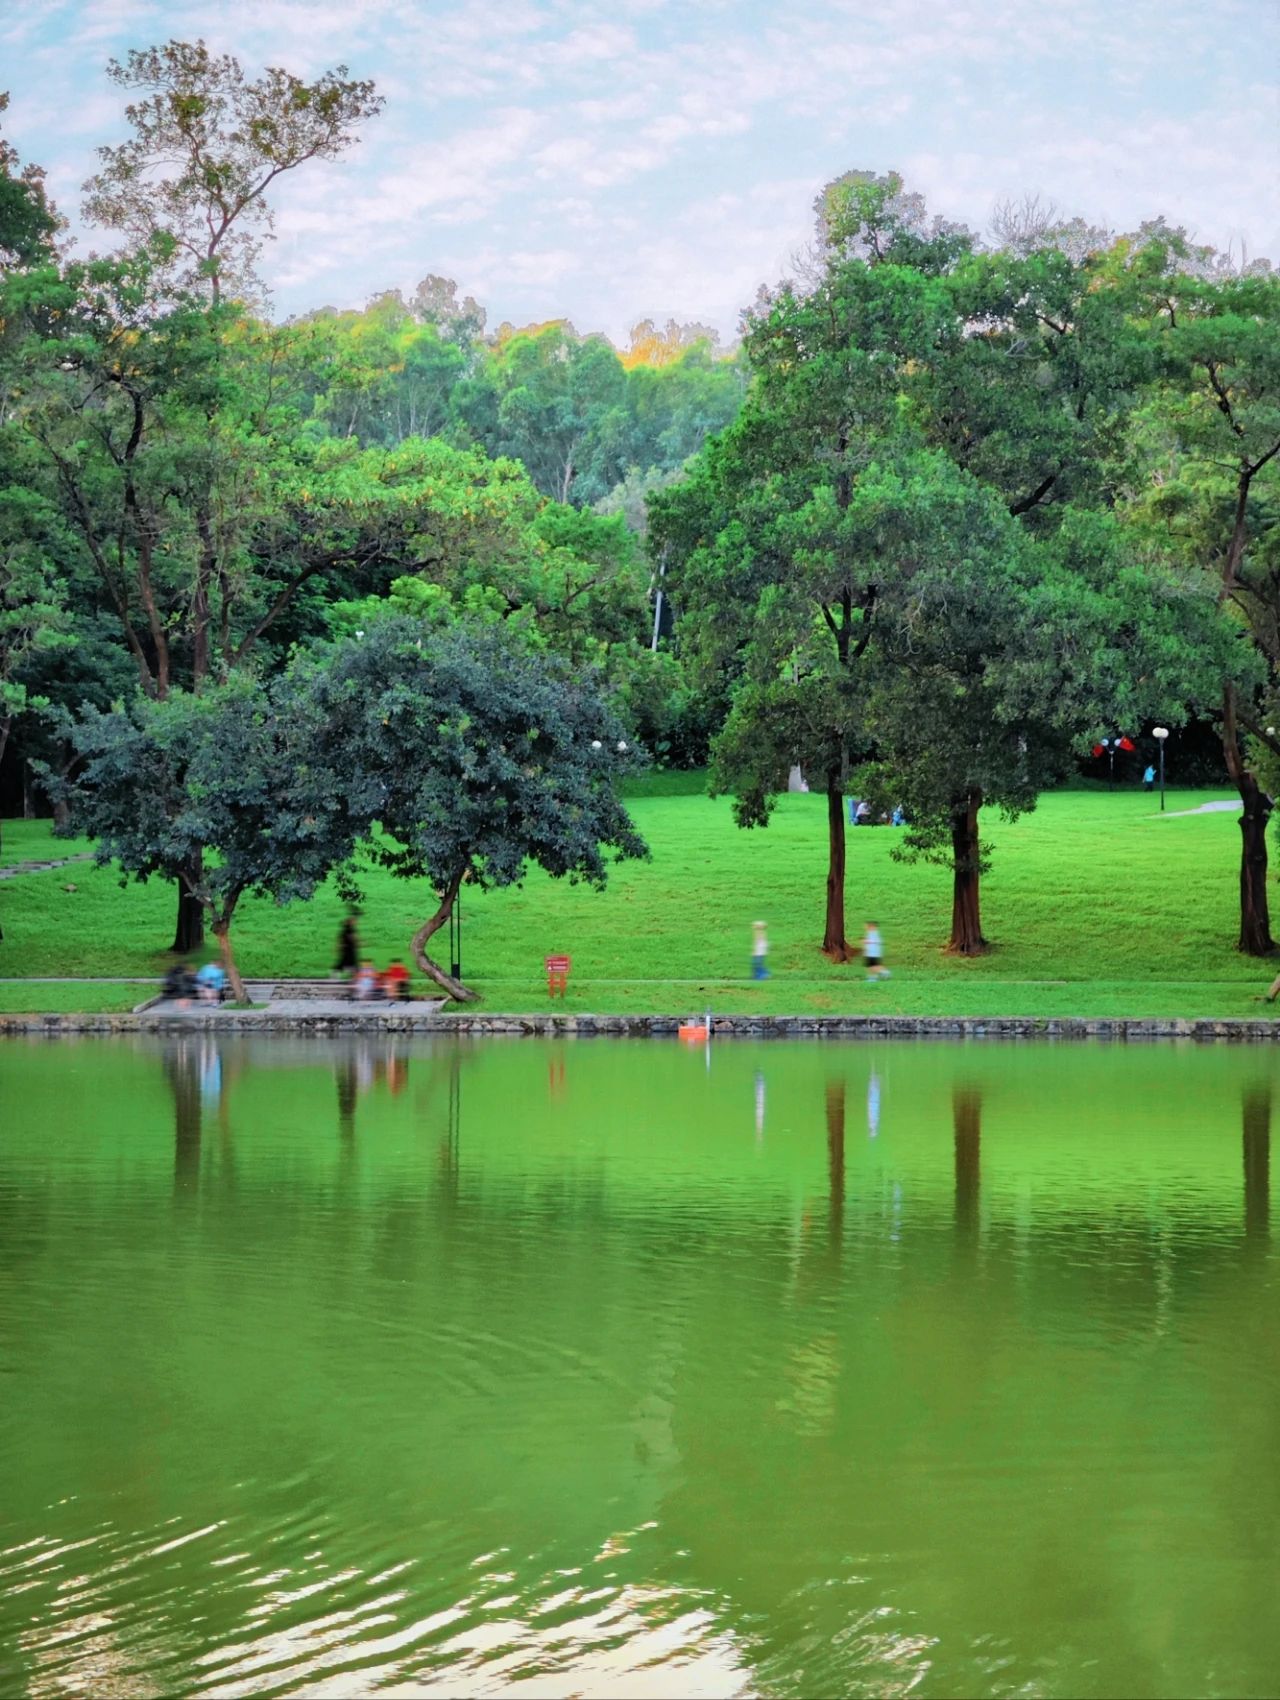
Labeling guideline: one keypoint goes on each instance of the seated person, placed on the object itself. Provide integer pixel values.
(179, 982)
(211, 983)
(395, 982)
(365, 986)
(863, 816)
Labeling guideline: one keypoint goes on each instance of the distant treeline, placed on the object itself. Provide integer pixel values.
(593, 425)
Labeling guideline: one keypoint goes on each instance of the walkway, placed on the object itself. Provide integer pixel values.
(16, 868)
(1200, 809)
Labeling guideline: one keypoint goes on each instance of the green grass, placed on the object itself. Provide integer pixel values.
(33, 841)
(98, 998)
(1095, 906)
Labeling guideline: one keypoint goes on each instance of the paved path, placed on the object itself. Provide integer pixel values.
(16, 868)
(296, 1009)
(1201, 809)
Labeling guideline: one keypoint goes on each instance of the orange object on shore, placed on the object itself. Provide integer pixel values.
(695, 1031)
(558, 975)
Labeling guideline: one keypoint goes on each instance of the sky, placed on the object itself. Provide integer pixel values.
(628, 159)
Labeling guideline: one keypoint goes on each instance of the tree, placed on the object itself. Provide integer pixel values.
(777, 561)
(205, 511)
(477, 757)
(557, 402)
(1212, 495)
(492, 548)
(238, 789)
(1006, 660)
(128, 379)
(28, 223)
(207, 146)
(33, 614)
(927, 433)
(435, 302)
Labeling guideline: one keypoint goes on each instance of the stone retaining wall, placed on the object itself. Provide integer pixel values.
(655, 1026)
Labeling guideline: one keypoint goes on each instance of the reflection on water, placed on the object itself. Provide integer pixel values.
(1257, 1160)
(427, 1367)
(966, 1121)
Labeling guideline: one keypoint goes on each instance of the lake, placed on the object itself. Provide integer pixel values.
(625, 1368)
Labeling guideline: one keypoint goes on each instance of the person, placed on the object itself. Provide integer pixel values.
(862, 814)
(1149, 778)
(759, 951)
(179, 983)
(873, 953)
(365, 986)
(395, 982)
(348, 946)
(899, 816)
(211, 983)
(854, 806)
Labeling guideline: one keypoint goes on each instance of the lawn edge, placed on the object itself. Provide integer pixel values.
(563, 1025)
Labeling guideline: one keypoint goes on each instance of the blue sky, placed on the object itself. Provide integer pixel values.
(649, 158)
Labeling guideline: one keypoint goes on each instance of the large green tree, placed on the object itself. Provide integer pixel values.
(1209, 495)
(925, 424)
(138, 379)
(207, 145)
(778, 553)
(238, 789)
(477, 757)
(1006, 661)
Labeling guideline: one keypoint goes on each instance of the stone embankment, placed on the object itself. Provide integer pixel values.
(429, 1020)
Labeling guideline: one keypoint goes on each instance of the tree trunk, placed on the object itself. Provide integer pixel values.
(1255, 919)
(200, 612)
(966, 1121)
(834, 943)
(222, 932)
(966, 915)
(188, 933)
(1257, 1161)
(61, 817)
(433, 970)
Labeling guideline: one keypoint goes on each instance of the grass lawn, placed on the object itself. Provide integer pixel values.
(1095, 905)
(33, 841)
(99, 997)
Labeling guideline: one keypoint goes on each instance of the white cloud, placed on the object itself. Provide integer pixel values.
(607, 159)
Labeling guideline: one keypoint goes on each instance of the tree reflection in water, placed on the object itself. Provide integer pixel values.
(966, 1118)
(1256, 1119)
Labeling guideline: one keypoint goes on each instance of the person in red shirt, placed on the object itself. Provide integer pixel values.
(395, 982)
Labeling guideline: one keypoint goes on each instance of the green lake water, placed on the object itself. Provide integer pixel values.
(621, 1368)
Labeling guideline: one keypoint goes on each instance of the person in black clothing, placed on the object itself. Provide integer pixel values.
(179, 983)
(348, 947)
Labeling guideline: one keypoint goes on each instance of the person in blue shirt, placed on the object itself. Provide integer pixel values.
(211, 982)
(1149, 779)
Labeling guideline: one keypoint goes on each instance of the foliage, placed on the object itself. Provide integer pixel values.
(901, 552)
(206, 146)
(34, 618)
(477, 757)
(244, 772)
(28, 223)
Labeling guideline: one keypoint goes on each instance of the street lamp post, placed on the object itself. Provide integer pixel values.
(1160, 733)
